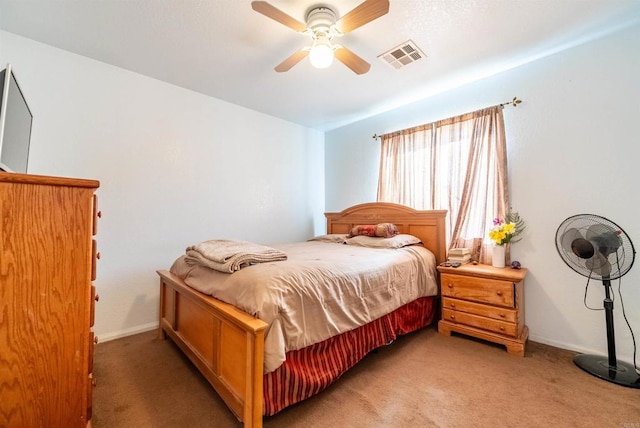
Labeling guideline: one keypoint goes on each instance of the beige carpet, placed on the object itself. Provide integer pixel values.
(422, 380)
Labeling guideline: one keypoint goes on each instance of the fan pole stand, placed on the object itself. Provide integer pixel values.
(610, 370)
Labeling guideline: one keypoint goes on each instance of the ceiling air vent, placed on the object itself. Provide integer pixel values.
(402, 55)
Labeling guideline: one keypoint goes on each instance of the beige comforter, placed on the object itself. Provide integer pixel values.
(321, 290)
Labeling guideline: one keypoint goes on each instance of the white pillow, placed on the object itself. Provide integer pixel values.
(338, 238)
(397, 241)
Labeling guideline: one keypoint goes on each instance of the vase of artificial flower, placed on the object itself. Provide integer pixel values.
(502, 234)
(498, 256)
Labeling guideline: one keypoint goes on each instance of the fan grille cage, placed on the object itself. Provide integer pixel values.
(620, 258)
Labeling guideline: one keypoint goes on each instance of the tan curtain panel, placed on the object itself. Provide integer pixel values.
(459, 165)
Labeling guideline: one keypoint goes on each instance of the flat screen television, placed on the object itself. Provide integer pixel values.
(15, 124)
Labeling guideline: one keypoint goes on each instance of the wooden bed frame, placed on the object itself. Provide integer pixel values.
(227, 344)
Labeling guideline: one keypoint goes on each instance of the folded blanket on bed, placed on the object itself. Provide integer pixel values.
(228, 256)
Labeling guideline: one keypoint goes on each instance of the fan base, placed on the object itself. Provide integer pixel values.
(623, 373)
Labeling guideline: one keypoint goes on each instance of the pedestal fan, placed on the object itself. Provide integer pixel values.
(597, 248)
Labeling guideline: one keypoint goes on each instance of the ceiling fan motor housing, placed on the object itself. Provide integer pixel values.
(320, 19)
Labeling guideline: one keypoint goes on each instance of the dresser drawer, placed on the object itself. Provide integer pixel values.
(495, 312)
(483, 290)
(484, 323)
(95, 256)
(92, 311)
(92, 346)
(90, 384)
(96, 214)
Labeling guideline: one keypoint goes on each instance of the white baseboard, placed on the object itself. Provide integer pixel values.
(563, 345)
(128, 332)
(620, 356)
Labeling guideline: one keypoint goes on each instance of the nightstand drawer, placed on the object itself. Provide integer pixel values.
(498, 313)
(506, 328)
(483, 290)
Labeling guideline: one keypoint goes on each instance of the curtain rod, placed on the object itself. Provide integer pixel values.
(514, 102)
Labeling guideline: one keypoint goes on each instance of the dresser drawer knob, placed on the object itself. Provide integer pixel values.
(99, 214)
(499, 293)
(97, 298)
(95, 340)
(98, 256)
(501, 328)
(450, 285)
(453, 305)
(502, 315)
(452, 317)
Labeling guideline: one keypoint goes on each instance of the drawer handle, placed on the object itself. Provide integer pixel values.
(499, 293)
(453, 305)
(502, 315)
(501, 328)
(98, 256)
(450, 285)
(97, 298)
(95, 340)
(452, 317)
(99, 214)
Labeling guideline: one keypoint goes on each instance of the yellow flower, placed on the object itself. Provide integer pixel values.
(503, 233)
(509, 228)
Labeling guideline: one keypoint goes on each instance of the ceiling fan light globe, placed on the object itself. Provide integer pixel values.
(321, 56)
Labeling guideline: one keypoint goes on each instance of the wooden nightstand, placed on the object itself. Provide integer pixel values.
(484, 302)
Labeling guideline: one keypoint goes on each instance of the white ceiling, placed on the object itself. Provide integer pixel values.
(224, 49)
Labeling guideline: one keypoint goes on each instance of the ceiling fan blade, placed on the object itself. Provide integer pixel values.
(277, 15)
(351, 60)
(365, 12)
(292, 60)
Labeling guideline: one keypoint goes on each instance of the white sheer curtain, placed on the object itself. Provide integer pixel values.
(459, 165)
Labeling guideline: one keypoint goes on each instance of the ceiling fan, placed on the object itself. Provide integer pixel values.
(323, 26)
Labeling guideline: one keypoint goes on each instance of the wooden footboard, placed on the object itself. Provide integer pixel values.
(225, 344)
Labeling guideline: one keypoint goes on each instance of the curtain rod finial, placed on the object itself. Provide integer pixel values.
(515, 101)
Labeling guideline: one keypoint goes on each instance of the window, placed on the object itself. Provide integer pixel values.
(459, 165)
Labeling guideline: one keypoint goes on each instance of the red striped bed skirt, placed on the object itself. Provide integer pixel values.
(310, 370)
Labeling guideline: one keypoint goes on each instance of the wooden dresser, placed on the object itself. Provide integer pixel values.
(47, 264)
(484, 302)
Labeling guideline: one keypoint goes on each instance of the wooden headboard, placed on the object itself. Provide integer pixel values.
(429, 226)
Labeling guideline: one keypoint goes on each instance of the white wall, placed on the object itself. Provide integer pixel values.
(175, 168)
(573, 148)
